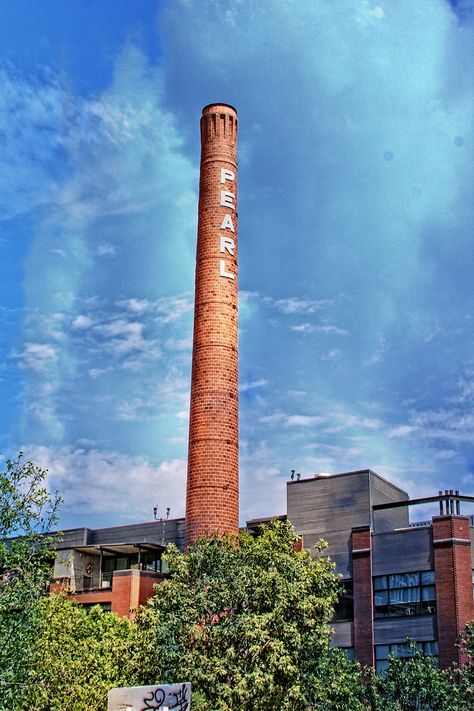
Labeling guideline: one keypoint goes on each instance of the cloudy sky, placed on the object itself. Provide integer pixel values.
(356, 247)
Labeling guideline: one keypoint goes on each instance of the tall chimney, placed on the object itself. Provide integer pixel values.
(212, 496)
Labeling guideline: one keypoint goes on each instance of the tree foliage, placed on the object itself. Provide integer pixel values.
(77, 657)
(245, 619)
(27, 513)
(415, 684)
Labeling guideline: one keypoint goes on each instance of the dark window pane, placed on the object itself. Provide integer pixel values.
(403, 650)
(403, 595)
(380, 583)
(381, 598)
(404, 580)
(427, 577)
(430, 649)
(429, 593)
(382, 651)
(344, 609)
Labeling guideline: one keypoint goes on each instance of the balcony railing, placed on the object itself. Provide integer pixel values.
(97, 582)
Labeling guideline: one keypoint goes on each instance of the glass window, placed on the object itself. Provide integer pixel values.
(106, 606)
(383, 652)
(427, 577)
(404, 594)
(381, 597)
(148, 560)
(344, 608)
(431, 649)
(405, 580)
(429, 592)
(380, 582)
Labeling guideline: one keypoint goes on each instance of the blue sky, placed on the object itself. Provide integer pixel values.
(356, 246)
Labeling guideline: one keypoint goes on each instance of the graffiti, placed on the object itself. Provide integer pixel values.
(177, 700)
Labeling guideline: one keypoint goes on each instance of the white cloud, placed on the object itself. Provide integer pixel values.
(298, 305)
(332, 354)
(36, 357)
(105, 250)
(307, 328)
(111, 484)
(244, 387)
(303, 420)
(401, 431)
(179, 344)
(82, 321)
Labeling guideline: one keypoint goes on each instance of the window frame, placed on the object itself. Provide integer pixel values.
(382, 660)
(420, 601)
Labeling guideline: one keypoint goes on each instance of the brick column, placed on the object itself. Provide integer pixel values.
(363, 597)
(212, 497)
(121, 592)
(453, 566)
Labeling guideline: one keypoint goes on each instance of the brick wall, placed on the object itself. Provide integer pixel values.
(212, 485)
(130, 588)
(452, 562)
(363, 600)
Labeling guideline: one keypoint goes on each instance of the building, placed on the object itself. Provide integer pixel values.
(400, 579)
(116, 568)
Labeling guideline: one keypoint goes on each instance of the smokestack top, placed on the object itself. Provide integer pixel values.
(218, 107)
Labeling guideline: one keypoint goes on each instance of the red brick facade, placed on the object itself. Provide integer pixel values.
(212, 498)
(129, 589)
(453, 568)
(363, 600)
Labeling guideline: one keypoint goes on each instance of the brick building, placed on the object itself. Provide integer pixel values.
(401, 579)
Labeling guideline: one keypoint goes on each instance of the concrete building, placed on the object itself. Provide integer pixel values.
(400, 579)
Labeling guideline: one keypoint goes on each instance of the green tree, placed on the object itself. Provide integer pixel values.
(338, 684)
(27, 513)
(245, 619)
(463, 677)
(415, 684)
(77, 657)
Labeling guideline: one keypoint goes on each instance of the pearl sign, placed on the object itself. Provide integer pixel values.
(226, 243)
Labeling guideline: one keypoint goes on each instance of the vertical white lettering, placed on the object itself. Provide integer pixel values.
(223, 272)
(227, 244)
(227, 199)
(227, 175)
(227, 223)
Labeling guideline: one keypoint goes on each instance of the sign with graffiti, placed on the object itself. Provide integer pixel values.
(166, 697)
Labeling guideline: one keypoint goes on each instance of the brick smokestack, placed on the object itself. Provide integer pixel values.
(212, 497)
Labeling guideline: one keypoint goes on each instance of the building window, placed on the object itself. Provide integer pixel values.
(147, 561)
(405, 594)
(344, 608)
(349, 652)
(473, 583)
(106, 606)
(382, 652)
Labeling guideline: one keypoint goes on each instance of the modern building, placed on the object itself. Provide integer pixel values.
(116, 568)
(401, 580)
